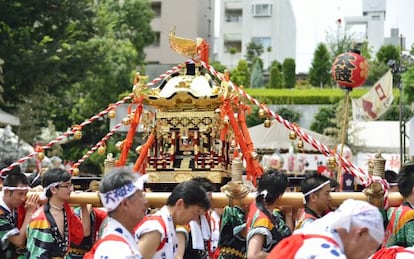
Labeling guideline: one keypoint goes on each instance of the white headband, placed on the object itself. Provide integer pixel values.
(111, 200)
(317, 188)
(18, 188)
(54, 184)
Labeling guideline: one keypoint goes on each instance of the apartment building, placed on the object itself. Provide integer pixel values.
(192, 18)
(270, 23)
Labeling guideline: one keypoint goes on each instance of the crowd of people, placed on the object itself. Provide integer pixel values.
(39, 222)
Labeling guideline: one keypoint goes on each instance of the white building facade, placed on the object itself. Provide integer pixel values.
(270, 23)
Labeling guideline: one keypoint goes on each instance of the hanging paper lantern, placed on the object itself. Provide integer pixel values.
(276, 161)
(350, 70)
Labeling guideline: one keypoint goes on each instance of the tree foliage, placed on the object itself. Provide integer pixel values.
(241, 74)
(289, 114)
(257, 75)
(319, 73)
(324, 119)
(339, 40)
(275, 77)
(387, 53)
(253, 51)
(289, 72)
(70, 59)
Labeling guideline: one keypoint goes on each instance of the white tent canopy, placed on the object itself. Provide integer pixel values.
(277, 137)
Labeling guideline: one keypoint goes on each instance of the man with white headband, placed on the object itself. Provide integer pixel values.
(121, 193)
(54, 226)
(15, 214)
(354, 231)
(316, 191)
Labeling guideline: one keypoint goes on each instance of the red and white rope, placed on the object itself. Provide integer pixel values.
(356, 171)
(97, 145)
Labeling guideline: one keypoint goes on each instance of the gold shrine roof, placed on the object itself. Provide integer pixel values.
(185, 92)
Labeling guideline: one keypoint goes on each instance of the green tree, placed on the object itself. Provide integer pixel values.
(339, 40)
(408, 85)
(289, 72)
(289, 114)
(366, 51)
(253, 119)
(257, 75)
(319, 73)
(76, 58)
(387, 53)
(218, 66)
(253, 51)
(38, 39)
(241, 75)
(324, 119)
(375, 72)
(275, 77)
(1, 80)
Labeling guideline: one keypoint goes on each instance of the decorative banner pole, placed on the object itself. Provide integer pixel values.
(349, 70)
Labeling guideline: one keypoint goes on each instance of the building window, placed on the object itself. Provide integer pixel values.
(236, 45)
(157, 40)
(156, 8)
(233, 15)
(262, 10)
(264, 41)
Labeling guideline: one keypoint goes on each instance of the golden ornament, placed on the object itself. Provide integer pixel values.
(126, 121)
(75, 171)
(292, 135)
(40, 156)
(101, 150)
(119, 145)
(267, 123)
(77, 135)
(332, 164)
(262, 113)
(299, 144)
(112, 114)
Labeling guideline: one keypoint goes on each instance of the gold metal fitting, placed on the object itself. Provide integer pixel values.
(77, 135)
(126, 121)
(111, 114)
(262, 113)
(101, 150)
(292, 135)
(267, 123)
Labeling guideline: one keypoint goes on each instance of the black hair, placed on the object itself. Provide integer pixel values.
(6, 163)
(391, 176)
(204, 182)
(311, 182)
(14, 179)
(406, 179)
(54, 175)
(191, 193)
(274, 184)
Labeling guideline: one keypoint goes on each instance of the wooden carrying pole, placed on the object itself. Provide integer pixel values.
(220, 200)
